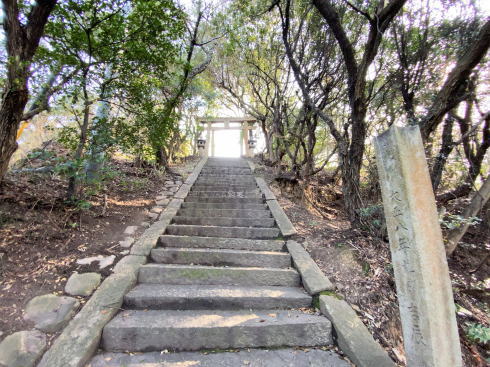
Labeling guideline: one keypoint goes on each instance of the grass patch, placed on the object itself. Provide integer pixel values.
(316, 298)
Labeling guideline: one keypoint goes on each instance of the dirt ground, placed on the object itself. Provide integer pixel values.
(41, 236)
(358, 263)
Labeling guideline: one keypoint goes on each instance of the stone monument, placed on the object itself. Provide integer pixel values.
(423, 285)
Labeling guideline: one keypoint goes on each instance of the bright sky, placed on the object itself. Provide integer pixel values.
(227, 143)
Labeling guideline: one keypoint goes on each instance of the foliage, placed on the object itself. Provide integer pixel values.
(452, 221)
(478, 333)
(373, 219)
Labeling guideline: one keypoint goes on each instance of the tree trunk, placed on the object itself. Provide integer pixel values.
(474, 207)
(161, 157)
(474, 156)
(21, 43)
(13, 104)
(451, 93)
(351, 167)
(98, 146)
(41, 101)
(356, 80)
(446, 148)
(72, 190)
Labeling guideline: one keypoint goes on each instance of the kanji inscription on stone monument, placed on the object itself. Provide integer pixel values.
(423, 285)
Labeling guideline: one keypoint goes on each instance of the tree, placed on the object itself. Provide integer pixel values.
(169, 115)
(476, 204)
(22, 41)
(452, 92)
(78, 39)
(350, 141)
(255, 78)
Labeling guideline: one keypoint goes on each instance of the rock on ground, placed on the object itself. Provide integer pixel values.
(22, 348)
(104, 261)
(50, 313)
(130, 230)
(82, 284)
(152, 215)
(127, 242)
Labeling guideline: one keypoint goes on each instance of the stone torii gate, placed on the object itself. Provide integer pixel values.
(247, 125)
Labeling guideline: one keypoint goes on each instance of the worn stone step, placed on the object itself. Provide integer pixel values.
(228, 232)
(226, 175)
(197, 274)
(198, 205)
(227, 163)
(221, 257)
(231, 166)
(213, 297)
(232, 213)
(285, 357)
(227, 179)
(217, 176)
(221, 243)
(231, 177)
(242, 188)
(247, 182)
(247, 200)
(227, 170)
(225, 194)
(224, 188)
(218, 173)
(225, 222)
(140, 331)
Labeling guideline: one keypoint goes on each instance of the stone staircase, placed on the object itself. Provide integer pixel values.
(221, 278)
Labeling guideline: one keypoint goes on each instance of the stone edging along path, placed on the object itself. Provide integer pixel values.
(80, 339)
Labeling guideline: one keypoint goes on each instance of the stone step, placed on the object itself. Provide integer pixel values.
(247, 206)
(197, 274)
(226, 213)
(221, 257)
(285, 357)
(225, 173)
(227, 179)
(242, 188)
(222, 182)
(211, 167)
(225, 222)
(224, 163)
(228, 232)
(217, 176)
(144, 331)
(247, 200)
(213, 297)
(227, 170)
(226, 194)
(221, 243)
